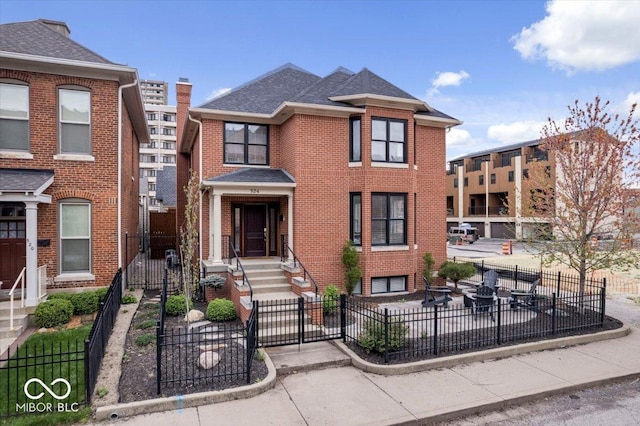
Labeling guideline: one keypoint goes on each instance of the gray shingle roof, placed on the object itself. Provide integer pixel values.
(502, 148)
(36, 38)
(367, 82)
(254, 175)
(291, 83)
(166, 186)
(23, 180)
(266, 93)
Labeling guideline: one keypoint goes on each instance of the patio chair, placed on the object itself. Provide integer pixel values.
(490, 280)
(435, 295)
(483, 301)
(524, 299)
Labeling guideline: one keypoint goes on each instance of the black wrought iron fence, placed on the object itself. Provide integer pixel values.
(409, 334)
(153, 254)
(96, 343)
(58, 376)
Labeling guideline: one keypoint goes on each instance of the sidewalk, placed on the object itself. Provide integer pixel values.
(352, 396)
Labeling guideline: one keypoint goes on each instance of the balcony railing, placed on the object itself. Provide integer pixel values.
(539, 156)
(498, 210)
(502, 162)
(473, 167)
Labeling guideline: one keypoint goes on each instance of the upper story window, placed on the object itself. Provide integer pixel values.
(355, 127)
(75, 121)
(388, 219)
(246, 143)
(388, 140)
(14, 117)
(169, 117)
(169, 131)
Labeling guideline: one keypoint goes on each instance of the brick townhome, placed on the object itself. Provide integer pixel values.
(70, 125)
(314, 161)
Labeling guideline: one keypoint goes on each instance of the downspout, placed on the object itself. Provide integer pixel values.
(124, 86)
(199, 182)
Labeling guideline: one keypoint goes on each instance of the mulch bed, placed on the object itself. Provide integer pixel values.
(180, 361)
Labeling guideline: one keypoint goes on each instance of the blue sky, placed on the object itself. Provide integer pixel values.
(502, 67)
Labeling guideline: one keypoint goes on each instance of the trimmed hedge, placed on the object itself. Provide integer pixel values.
(65, 296)
(85, 303)
(221, 310)
(101, 293)
(53, 313)
(176, 305)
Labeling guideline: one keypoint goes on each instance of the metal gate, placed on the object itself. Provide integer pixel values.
(296, 321)
(147, 256)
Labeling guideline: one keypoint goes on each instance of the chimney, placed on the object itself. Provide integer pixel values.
(57, 26)
(183, 161)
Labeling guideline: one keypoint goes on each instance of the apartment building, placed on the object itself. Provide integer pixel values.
(485, 189)
(296, 164)
(71, 122)
(159, 152)
(154, 92)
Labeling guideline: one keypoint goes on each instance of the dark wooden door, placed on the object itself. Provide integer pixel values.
(255, 225)
(13, 252)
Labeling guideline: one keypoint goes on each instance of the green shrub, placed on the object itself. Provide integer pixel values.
(64, 296)
(456, 271)
(101, 293)
(85, 302)
(351, 263)
(221, 310)
(176, 305)
(145, 339)
(53, 313)
(128, 299)
(330, 299)
(146, 324)
(372, 337)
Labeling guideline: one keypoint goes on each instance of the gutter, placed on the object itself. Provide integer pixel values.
(120, 88)
(199, 182)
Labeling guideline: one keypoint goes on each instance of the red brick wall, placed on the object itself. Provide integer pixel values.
(95, 181)
(315, 150)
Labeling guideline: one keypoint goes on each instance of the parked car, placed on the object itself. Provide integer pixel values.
(465, 232)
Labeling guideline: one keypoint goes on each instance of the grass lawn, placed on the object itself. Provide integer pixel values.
(46, 357)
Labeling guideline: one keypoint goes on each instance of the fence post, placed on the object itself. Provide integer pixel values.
(435, 329)
(553, 314)
(603, 298)
(482, 270)
(87, 374)
(516, 278)
(126, 257)
(343, 317)
(301, 320)
(559, 279)
(499, 325)
(158, 357)
(386, 335)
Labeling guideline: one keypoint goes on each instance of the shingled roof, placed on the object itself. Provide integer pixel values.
(38, 38)
(290, 83)
(24, 180)
(248, 174)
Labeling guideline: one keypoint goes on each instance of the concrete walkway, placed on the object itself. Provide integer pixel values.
(346, 395)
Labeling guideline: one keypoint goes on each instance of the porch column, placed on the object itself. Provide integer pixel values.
(31, 283)
(216, 219)
(290, 225)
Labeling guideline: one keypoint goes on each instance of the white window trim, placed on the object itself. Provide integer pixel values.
(27, 119)
(390, 248)
(389, 165)
(61, 122)
(355, 164)
(22, 155)
(75, 276)
(74, 157)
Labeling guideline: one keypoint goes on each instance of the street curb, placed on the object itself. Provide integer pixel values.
(515, 401)
(503, 352)
(117, 411)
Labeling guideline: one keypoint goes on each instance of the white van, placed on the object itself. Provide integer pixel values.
(465, 231)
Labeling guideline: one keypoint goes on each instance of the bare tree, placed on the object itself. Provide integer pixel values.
(587, 195)
(189, 237)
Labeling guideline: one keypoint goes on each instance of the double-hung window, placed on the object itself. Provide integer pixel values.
(388, 284)
(388, 219)
(75, 237)
(14, 117)
(355, 232)
(388, 140)
(246, 144)
(355, 137)
(75, 121)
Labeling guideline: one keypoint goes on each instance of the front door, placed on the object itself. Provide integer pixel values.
(255, 230)
(13, 252)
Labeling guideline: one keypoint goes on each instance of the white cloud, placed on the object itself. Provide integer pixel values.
(583, 35)
(632, 98)
(518, 131)
(218, 92)
(444, 79)
(459, 138)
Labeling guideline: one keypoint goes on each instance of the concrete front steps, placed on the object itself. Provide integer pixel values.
(278, 318)
(20, 323)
